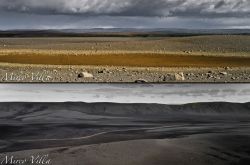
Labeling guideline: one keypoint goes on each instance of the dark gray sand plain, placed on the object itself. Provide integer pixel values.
(78, 133)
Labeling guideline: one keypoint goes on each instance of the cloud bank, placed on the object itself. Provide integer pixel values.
(145, 8)
(50, 14)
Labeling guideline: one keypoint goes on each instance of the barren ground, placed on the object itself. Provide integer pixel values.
(126, 134)
(224, 58)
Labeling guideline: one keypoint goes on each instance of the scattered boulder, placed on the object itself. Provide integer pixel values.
(85, 75)
(102, 71)
(223, 73)
(190, 74)
(210, 76)
(124, 69)
(210, 72)
(141, 81)
(179, 76)
(166, 78)
(188, 52)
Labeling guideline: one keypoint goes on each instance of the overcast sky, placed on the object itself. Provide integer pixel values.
(125, 93)
(63, 14)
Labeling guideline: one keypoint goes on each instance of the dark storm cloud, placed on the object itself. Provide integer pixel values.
(148, 8)
(47, 14)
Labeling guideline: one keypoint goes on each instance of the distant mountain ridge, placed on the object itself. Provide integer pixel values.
(120, 32)
(119, 109)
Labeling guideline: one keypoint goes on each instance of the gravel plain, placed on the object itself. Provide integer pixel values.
(31, 59)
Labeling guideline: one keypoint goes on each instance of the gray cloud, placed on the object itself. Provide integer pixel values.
(24, 14)
(11, 20)
(148, 8)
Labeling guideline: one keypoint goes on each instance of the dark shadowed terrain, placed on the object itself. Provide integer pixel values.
(128, 134)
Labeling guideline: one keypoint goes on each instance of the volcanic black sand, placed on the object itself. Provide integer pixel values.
(127, 134)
